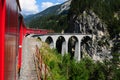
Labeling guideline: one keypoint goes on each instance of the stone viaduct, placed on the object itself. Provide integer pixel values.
(64, 40)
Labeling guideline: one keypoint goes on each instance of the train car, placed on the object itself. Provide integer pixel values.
(36, 31)
(9, 41)
(1, 42)
(12, 32)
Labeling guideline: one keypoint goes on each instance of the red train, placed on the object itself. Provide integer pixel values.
(25, 31)
(12, 32)
(9, 22)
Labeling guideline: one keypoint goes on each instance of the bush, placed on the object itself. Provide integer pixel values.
(65, 68)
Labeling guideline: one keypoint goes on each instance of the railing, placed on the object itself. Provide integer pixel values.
(42, 70)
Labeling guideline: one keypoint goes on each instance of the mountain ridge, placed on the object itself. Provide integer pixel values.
(53, 10)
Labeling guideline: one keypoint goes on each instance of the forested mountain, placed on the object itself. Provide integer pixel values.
(54, 11)
(49, 11)
(107, 10)
(101, 18)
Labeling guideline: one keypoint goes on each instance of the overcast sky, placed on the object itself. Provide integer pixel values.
(35, 6)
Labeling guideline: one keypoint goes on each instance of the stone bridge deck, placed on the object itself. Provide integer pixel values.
(35, 35)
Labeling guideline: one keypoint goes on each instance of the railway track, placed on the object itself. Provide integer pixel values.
(28, 69)
(33, 67)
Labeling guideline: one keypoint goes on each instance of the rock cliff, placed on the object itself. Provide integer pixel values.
(101, 19)
(88, 22)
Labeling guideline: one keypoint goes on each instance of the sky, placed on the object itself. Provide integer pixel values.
(35, 6)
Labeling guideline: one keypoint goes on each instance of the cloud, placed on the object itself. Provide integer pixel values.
(45, 5)
(61, 0)
(29, 7)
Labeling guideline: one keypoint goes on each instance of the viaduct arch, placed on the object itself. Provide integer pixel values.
(65, 43)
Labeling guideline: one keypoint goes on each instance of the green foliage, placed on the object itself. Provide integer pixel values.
(50, 22)
(117, 74)
(105, 9)
(65, 68)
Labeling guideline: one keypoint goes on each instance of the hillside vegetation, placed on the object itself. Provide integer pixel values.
(64, 68)
(50, 22)
(107, 10)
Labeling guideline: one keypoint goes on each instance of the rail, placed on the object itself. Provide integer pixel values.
(41, 68)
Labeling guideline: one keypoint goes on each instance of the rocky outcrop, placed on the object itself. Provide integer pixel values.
(64, 7)
(89, 23)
